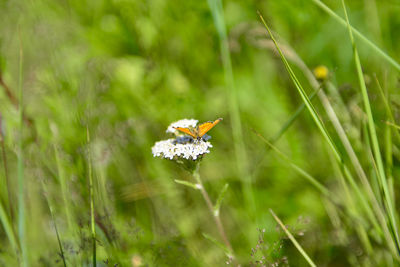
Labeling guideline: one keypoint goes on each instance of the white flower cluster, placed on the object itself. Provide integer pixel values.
(181, 148)
(181, 123)
(169, 149)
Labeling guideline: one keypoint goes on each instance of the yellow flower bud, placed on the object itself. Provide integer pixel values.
(321, 72)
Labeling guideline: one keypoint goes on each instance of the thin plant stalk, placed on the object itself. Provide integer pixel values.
(215, 215)
(294, 241)
(7, 220)
(234, 110)
(351, 206)
(5, 165)
(304, 96)
(20, 167)
(389, 112)
(49, 204)
(334, 217)
(64, 189)
(67, 205)
(92, 220)
(374, 138)
(388, 139)
(13, 99)
(8, 228)
(393, 125)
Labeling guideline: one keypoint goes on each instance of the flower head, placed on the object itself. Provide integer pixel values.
(171, 149)
(182, 146)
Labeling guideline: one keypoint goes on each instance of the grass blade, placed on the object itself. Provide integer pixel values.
(64, 189)
(388, 140)
(20, 167)
(325, 133)
(303, 94)
(385, 100)
(189, 184)
(393, 125)
(92, 221)
(54, 222)
(234, 112)
(217, 219)
(364, 39)
(291, 237)
(373, 135)
(8, 229)
(221, 196)
(5, 165)
(295, 59)
(218, 244)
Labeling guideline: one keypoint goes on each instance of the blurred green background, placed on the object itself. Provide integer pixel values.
(126, 70)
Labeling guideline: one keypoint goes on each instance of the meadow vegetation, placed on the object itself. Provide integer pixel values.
(303, 168)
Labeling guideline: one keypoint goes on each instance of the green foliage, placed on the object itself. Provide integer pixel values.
(124, 70)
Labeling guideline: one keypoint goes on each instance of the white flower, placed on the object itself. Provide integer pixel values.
(170, 149)
(184, 147)
(185, 123)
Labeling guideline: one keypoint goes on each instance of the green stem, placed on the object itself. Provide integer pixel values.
(217, 219)
(3, 152)
(64, 189)
(374, 138)
(92, 221)
(234, 108)
(8, 229)
(20, 166)
(54, 222)
(291, 237)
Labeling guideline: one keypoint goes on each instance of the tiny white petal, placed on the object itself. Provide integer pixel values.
(169, 149)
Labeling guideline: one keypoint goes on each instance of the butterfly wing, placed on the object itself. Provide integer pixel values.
(186, 131)
(206, 126)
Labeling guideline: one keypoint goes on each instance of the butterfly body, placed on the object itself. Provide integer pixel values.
(200, 130)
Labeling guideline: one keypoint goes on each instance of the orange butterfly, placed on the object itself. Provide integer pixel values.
(200, 130)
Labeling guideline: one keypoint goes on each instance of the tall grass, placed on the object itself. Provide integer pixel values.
(91, 195)
(327, 151)
(391, 237)
(234, 107)
(20, 166)
(51, 210)
(291, 237)
(388, 200)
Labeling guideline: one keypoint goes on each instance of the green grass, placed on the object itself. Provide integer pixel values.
(291, 237)
(324, 154)
(374, 139)
(20, 165)
(91, 195)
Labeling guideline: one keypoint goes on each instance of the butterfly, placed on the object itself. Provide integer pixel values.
(200, 130)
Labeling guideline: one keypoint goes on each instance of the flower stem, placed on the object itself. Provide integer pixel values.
(217, 219)
(92, 219)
